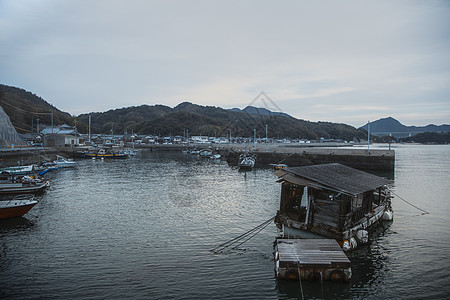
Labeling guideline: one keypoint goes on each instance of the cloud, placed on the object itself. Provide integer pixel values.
(327, 60)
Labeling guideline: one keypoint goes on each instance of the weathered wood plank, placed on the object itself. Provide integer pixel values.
(311, 252)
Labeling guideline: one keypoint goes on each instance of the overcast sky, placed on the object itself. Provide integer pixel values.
(338, 61)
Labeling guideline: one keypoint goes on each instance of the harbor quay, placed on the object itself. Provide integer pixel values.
(382, 160)
(372, 160)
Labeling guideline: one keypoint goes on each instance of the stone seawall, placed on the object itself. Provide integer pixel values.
(376, 160)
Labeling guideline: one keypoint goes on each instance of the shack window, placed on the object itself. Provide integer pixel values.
(357, 202)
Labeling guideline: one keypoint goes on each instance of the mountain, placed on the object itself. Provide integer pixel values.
(25, 108)
(214, 121)
(391, 126)
(260, 111)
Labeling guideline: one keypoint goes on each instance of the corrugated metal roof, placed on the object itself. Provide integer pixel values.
(337, 177)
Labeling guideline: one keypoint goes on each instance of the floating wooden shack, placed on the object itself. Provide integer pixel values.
(311, 259)
(331, 201)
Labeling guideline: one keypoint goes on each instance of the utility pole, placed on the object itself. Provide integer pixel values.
(368, 136)
(89, 128)
(266, 133)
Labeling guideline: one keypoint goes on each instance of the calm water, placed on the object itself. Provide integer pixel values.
(144, 227)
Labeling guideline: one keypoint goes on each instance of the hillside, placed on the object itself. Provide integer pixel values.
(213, 121)
(260, 111)
(429, 138)
(24, 108)
(390, 125)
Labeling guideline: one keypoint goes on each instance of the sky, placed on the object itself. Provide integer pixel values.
(339, 61)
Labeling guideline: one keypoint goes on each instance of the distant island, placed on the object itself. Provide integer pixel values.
(390, 126)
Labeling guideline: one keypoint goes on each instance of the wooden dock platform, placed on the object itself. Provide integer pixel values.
(311, 259)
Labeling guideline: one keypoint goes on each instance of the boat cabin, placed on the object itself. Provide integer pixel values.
(330, 200)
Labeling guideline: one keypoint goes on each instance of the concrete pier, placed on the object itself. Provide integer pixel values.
(377, 160)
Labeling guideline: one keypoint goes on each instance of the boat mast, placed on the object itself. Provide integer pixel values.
(89, 128)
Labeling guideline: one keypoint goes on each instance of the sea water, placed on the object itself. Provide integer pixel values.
(144, 228)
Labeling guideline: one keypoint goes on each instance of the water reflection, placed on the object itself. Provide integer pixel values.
(16, 225)
(144, 227)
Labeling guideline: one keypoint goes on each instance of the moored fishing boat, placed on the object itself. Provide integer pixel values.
(16, 207)
(246, 161)
(331, 201)
(278, 166)
(62, 162)
(19, 170)
(104, 153)
(14, 184)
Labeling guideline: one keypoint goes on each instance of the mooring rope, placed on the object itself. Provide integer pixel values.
(424, 211)
(251, 236)
(247, 235)
(300, 281)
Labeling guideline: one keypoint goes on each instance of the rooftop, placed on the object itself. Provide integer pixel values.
(333, 176)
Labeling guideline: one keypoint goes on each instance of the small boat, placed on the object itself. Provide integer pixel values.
(103, 153)
(62, 162)
(246, 161)
(205, 153)
(19, 170)
(16, 207)
(14, 184)
(279, 166)
(130, 152)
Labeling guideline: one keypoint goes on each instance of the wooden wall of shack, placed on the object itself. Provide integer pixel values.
(330, 215)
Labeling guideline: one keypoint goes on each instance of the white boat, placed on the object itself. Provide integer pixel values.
(16, 207)
(130, 152)
(246, 161)
(62, 162)
(13, 184)
(19, 170)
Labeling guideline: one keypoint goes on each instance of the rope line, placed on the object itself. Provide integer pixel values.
(300, 281)
(247, 235)
(424, 211)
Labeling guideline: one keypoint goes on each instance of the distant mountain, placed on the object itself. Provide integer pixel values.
(391, 126)
(24, 108)
(213, 121)
(260, 112)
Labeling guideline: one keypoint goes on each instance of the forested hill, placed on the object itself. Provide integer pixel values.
(24, 108)
(213, 121)
(388, 125)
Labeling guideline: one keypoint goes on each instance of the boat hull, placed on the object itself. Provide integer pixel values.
(14, 189)
(12, 208)
(114, 156)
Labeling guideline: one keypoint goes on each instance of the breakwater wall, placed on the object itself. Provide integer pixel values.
(26, 155)
(373, 160)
